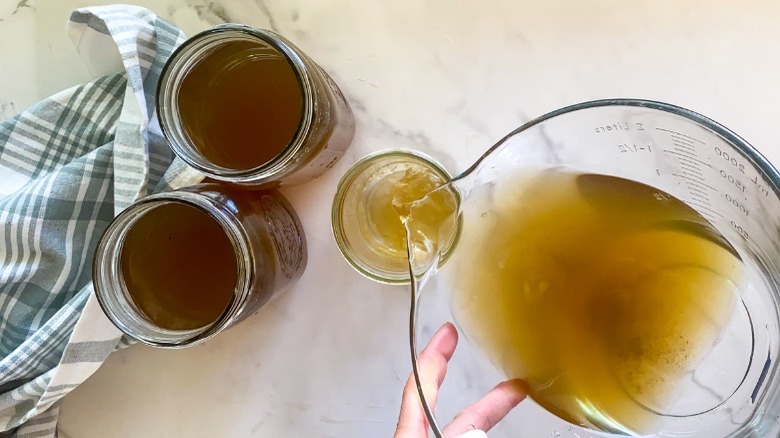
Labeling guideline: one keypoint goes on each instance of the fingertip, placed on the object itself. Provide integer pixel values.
(444, 341)
(515, 390)
(450, 328)
(447, 329)
(491, 408)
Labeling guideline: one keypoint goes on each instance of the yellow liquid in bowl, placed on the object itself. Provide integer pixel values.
(600, 292)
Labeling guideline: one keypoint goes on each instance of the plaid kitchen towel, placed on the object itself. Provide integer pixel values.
(67, 166)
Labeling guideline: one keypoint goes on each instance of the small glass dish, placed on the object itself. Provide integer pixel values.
(371, 203)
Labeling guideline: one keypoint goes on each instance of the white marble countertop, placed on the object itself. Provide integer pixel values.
(446, 77)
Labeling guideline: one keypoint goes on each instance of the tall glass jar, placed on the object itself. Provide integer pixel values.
(326, 124)
(263, 231)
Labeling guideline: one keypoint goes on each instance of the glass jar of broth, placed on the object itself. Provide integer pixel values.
(176, 268)
(246, 106)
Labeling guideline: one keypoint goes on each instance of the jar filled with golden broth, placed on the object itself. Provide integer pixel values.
(246, 106)
(176, 268)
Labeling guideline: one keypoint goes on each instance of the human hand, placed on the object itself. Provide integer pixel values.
(432, 367)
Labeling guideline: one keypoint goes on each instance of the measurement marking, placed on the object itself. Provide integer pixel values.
(684, 147)
(687, 146)
(695, 187)
(680, 134)
(682, 140)
(707, 215)
(706, 207)
(692, 188)
(703, 212)
(701, 184)
(701, 198)
(687, 177)
(689, 166)
(696, 175)
(689, 162)
(685, 153)
(681, 156)
(702, 206)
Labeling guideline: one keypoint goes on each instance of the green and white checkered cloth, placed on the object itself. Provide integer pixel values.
(67, 166)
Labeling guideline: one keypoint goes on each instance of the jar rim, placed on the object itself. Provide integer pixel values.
(176, 67)
(111, 290)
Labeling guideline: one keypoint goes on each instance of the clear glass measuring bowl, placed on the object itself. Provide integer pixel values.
(735, 389)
